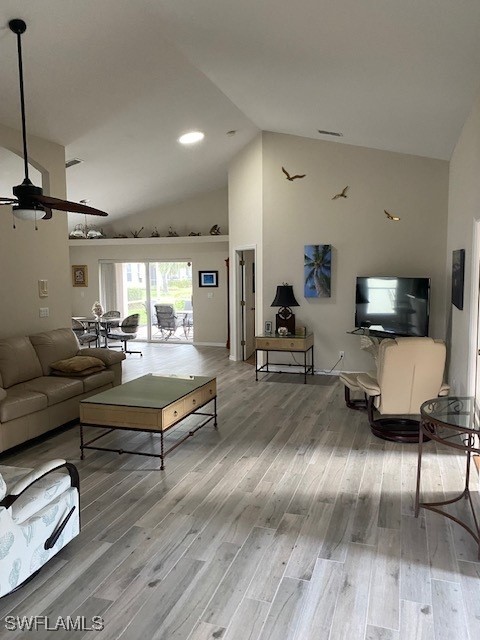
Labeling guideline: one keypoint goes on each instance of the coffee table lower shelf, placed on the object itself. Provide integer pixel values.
(163, 453)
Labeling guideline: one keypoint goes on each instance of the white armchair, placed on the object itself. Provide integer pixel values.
(409, 371)
(39, 515)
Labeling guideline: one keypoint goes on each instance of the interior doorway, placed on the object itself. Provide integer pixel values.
(247, 302)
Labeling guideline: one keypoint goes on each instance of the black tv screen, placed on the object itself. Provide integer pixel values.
(393, 305)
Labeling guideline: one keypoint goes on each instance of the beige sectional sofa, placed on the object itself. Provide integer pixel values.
(32, 399)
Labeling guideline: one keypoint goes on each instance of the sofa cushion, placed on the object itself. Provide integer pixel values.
(21, 401)
(54, 345)
(97, 380)
(78, 365)
(56, 389)
(18, 361)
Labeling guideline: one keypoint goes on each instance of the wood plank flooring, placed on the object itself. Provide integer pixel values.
(291, 522)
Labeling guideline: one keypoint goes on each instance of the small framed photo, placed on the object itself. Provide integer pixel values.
(79, 275)
(268, 328)
(208, 278)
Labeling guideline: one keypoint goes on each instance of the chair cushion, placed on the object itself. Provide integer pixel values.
(18, 361)
(39, 495)
(78, 365)
(56, 389)
(54, 345)
(9, 476)
(21, 401)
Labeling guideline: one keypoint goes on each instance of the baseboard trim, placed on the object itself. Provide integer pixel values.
(209, 344)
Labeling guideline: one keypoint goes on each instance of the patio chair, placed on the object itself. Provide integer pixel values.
(167, 321)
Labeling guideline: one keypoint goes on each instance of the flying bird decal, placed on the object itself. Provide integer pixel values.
(291, 178)
(390, 217)
(341, 195)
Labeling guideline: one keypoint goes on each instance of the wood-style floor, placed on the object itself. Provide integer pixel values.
(290, 522)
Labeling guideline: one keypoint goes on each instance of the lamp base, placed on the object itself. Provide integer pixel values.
(289, 323)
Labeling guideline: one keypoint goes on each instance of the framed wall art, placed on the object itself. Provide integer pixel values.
(458, 274)
(79, 275)
(317, 270)
(208, 278)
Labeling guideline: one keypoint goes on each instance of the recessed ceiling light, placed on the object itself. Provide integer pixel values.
(191, 137)
(330, 133)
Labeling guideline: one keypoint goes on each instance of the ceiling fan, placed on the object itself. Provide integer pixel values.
(29, 199)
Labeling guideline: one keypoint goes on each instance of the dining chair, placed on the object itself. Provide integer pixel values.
(126, 332)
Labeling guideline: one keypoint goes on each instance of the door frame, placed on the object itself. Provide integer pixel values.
(473, 370)
(236, 350)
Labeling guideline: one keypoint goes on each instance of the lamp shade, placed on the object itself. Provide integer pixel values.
(284, 297)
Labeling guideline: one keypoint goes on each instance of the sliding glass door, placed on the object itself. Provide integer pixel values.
(160, 292)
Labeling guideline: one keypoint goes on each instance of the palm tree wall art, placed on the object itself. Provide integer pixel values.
(318, 270)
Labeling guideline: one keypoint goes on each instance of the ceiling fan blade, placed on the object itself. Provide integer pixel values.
(65, 205)
(7, 201)
(48, 214)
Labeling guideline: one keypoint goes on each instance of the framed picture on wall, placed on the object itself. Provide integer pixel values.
(458, 273)
(208, 278)
(79, 275)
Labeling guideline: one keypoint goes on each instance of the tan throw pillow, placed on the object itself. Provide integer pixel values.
(77, 366)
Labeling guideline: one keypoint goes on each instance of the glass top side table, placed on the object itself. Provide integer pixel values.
(454, 422)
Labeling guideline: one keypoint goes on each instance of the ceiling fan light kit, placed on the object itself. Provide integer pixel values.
(29, 202)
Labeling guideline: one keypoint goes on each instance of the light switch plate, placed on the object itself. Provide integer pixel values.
(43, 312)
(43, 288)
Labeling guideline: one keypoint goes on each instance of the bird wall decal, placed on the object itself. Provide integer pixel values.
(390, 217)
(341, 195)
(291, 178)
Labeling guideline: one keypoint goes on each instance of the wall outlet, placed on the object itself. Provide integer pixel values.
(341, 354)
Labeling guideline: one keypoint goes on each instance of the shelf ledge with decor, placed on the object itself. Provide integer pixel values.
(154, 240)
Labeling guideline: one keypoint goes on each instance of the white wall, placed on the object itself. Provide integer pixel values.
(210, 313)
(27, 255)
(364, 241)
(245, 212)
(464, 209)
(196, 214)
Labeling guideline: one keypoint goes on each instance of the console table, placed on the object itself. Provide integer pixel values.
(292, 344)
(454, 422)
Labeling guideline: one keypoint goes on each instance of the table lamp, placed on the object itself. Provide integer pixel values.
(285, 299)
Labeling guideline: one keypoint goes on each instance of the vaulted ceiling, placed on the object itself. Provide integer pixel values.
(117, 81)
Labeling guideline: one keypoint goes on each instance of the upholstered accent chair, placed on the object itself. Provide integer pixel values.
(39, 515)
(409, 371)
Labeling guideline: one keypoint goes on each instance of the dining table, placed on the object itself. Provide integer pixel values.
(101, 325)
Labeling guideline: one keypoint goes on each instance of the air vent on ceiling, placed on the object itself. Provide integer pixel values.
(330, 133)
(72, 162)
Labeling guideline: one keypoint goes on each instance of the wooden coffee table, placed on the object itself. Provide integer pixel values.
(153, 404)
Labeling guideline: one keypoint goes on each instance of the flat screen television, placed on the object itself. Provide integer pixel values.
(393, 305)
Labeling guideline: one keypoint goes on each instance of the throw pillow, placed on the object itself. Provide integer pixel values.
(78, 366)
